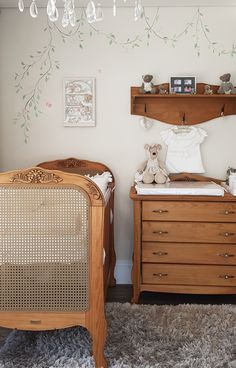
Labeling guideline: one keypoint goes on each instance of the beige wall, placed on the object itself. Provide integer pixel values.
(117, 139)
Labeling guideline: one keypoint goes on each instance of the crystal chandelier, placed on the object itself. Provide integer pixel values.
(94, 13)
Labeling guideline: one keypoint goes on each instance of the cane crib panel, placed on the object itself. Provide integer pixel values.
(44, 255)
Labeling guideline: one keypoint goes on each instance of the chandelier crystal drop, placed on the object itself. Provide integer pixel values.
(114, 8)
(21, 5)
(91, 12)
(33, 9)
(94, 13)
(99, 13)
(138, 10)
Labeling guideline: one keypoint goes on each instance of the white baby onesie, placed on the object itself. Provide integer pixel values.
(183, 153)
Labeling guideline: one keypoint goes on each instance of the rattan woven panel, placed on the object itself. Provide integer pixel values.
(44, 249)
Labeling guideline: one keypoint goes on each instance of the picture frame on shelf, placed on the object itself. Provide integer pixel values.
(79, 102)
(182, 85)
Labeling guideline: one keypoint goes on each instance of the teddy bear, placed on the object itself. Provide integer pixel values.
(226, 86)
(208, 90)
(153, 170)
(162, 90)
(147, 85)
(230, 171)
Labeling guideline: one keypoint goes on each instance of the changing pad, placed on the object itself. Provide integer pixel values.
(181, 188)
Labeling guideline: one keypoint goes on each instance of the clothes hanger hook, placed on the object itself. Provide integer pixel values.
(222, 113)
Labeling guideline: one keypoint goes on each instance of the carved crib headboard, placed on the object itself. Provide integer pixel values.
(76, 166)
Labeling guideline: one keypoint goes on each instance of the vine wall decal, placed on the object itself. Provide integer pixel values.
(43, 63)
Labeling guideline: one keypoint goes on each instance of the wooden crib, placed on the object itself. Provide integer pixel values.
(51, 253)
(85, 167)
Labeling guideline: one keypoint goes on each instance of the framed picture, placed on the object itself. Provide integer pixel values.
(79, 102)
(183, 85)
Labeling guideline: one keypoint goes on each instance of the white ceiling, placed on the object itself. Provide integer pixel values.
(194, 3)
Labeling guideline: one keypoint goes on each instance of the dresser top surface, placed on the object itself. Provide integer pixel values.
(190, 198)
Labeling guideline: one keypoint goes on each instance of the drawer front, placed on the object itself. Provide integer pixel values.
(188, 275)
(220, 254)
(189, 232)
(188, 211)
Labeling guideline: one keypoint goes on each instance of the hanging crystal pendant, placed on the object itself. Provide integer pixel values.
(135, 10)
(91, 12)
(72, 19)
(52, 11)
(21, 5)
(65, 19)
(138, 9)
(33, 9)
(54, 16)
(114, 8)
(50, 6)
(69, 16)
(71, 6)
(99, 13)
(72, 16)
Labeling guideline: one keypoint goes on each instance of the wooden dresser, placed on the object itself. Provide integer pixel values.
(184, 244)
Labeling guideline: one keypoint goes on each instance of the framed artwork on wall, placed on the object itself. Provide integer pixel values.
(79, 102)
(183, 85)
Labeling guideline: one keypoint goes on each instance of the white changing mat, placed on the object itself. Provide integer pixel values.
(180, 188)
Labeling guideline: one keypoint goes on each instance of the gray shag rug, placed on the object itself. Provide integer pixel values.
(139, 336)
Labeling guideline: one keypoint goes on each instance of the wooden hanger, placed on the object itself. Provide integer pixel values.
(183, 128)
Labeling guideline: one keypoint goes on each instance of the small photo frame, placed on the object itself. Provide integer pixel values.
(184, 85)
(79, 102)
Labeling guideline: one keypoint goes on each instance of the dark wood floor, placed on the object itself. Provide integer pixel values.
(123, 294)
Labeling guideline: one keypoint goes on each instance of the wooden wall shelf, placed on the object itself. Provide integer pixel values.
(182, 108)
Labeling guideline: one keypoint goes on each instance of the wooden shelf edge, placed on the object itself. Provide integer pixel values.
(183, 95)
(163, 120)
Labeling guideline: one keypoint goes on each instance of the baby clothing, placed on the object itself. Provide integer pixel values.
(183, 153)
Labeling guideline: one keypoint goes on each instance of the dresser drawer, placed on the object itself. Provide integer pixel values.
(220, 254)
(189, 232)
(188, 274)
(188, 211)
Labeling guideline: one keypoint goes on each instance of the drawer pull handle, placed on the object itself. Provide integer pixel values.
(226, 255)
(226, 234)
(159, 253)
(227, 212)
(35, 322)
(160, 274)
(226, 277)
(160, 211)
(160, 232)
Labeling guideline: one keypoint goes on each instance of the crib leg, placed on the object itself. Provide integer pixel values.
(112, 280)
(99, 334)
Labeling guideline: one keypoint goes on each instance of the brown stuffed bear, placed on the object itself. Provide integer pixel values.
(152, 170)
(147, 85)
(226, 86)
(208, 90)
